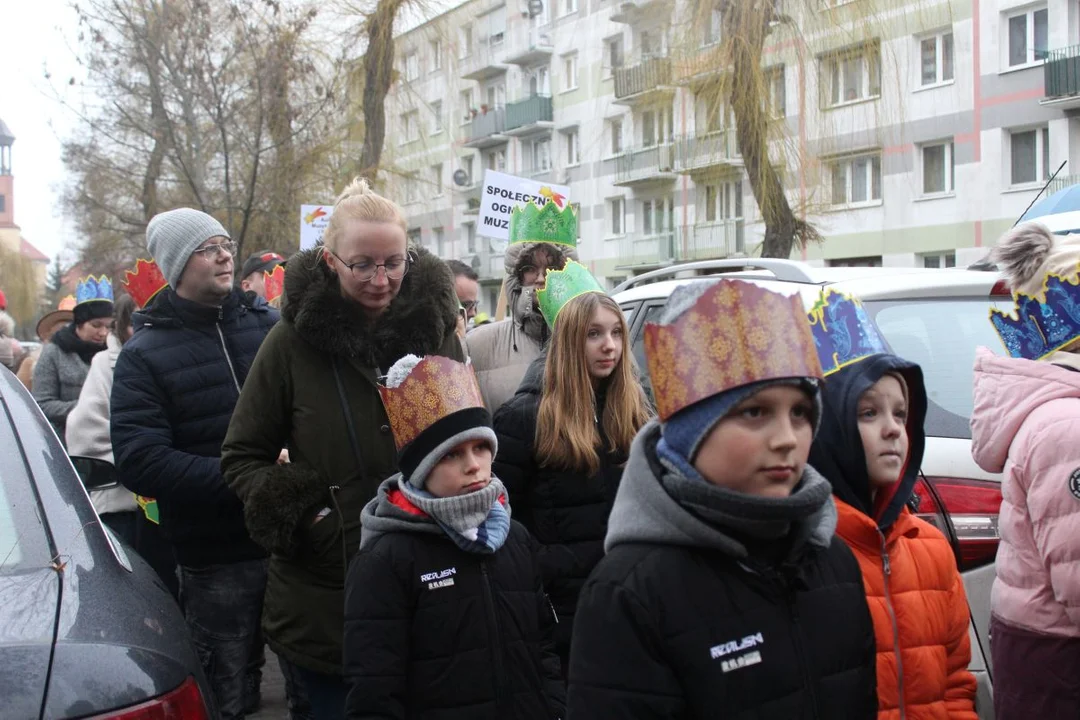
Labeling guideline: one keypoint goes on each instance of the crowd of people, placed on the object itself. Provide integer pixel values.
(425, 515)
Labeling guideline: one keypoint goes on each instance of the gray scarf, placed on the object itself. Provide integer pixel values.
(657, 503)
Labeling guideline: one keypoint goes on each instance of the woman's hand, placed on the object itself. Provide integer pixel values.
(283, 458)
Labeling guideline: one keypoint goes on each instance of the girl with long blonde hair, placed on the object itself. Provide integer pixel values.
(563, 440)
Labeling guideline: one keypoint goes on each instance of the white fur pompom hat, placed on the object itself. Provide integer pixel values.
(1029, 252)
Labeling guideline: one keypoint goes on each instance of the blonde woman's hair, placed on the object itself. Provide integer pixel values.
(359, 202)
(567, 436)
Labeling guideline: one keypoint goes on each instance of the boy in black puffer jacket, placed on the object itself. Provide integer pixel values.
(445, 612)
(724, 592)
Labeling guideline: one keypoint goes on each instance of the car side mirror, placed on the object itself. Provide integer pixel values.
(95, 474)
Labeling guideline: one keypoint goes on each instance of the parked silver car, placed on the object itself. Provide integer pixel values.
(935, 318)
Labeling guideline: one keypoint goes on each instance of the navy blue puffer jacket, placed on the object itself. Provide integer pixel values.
(177, 381)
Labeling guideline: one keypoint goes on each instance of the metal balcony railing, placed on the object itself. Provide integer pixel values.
(694, 152)
(1060, 183)
(646, 249)
(647, 75)
(644, 162)
(486, 124)
(528, 112)
(1061, 72)
(719, 239)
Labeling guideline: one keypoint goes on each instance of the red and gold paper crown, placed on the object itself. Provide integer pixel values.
(734, 334)
(436, 387)
(67, 303)
(275, 283)
(145, 282)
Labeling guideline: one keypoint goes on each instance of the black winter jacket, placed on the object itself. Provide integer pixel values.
(674, 630)
(175, 386)
(566, 511)
(433, 632)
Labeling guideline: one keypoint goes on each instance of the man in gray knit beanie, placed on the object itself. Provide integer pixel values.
(172, 237)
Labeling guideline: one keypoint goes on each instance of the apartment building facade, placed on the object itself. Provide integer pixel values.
(909, 132)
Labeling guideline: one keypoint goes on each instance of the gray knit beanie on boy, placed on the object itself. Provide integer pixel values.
(171, 238)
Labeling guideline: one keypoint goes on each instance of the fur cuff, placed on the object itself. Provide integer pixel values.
(282, 496)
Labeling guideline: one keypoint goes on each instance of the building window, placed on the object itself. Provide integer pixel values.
(410, 189)
(467, 166)
(435, 50)
(414, 238)
(936, 59)
(469, 231)
(855, 180)
(723, 201)
(538, 81)
(466, 103)
(569, 6)
(1028, 33)
(617, 210)
(496, 160)
(538, 155)
(410, 123)
(657, 216)
(613, 55)
(657, 126)
(436, 120)
(573, 148)
(412, 66)
(465, 41)
(436, 179)
(1029, 154)
(496, 97)
(853, 75)
(570, 72)
(3, 203)
(711, 35)
(938, 169)
(939, 260)
(615, 130)
(777, 87)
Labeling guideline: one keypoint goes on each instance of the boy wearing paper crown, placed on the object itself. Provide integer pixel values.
(445, 613)
(542, 238)
(724, 592)
(1025, 423)
(870, 447)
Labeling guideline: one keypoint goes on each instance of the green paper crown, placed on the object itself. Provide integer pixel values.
(547, 224)
(564, 285)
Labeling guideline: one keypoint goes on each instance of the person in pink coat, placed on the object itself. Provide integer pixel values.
(1026, 424)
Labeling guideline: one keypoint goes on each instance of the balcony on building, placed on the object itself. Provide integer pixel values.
(645, 82)
(482, 257)
(712, 240)
(487, 129)
(700, 67)
(488, 59)
(1060, 183)
(530, 45)
(470, 193)
(1061, 77)
(636, 12)
(531, 115)
(642, 251)
(645, 165)
(707, 152)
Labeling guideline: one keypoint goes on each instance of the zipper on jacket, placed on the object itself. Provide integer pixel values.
(800, 651)
(224, 349)
(496, 645)
(552, 606)
(885, 565)
(341, 526)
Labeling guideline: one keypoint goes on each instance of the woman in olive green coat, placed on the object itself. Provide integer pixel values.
(352, 308)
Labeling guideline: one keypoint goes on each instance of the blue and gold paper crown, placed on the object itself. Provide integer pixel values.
(1041, 325)
(843, 333)
(92, 289)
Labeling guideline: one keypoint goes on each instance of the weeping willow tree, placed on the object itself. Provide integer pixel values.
(784, 155)
(19, 281)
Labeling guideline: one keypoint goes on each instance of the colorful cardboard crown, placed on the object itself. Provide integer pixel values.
(843, 333)
(562, 286)
(547, 224)
(435, 387)
(68, 303)
(734, 334)
(145, 282)
(274, 283)
(1041, 325)
(93, 289)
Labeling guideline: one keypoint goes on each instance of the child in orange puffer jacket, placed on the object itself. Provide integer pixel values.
(870, 448)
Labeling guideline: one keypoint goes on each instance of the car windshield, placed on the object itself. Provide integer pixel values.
(941, 335)
(23, 544)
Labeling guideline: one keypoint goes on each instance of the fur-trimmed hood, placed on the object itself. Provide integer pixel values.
(418, 320)
(525, 314)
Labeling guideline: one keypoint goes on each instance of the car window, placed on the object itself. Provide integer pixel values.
(650, 313)
(941, 335)
(23, 542)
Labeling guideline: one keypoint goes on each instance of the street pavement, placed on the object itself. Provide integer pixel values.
(273, 692)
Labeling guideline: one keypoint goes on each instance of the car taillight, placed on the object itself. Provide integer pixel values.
(970, 507)
(183, 703)
(1001, 288)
